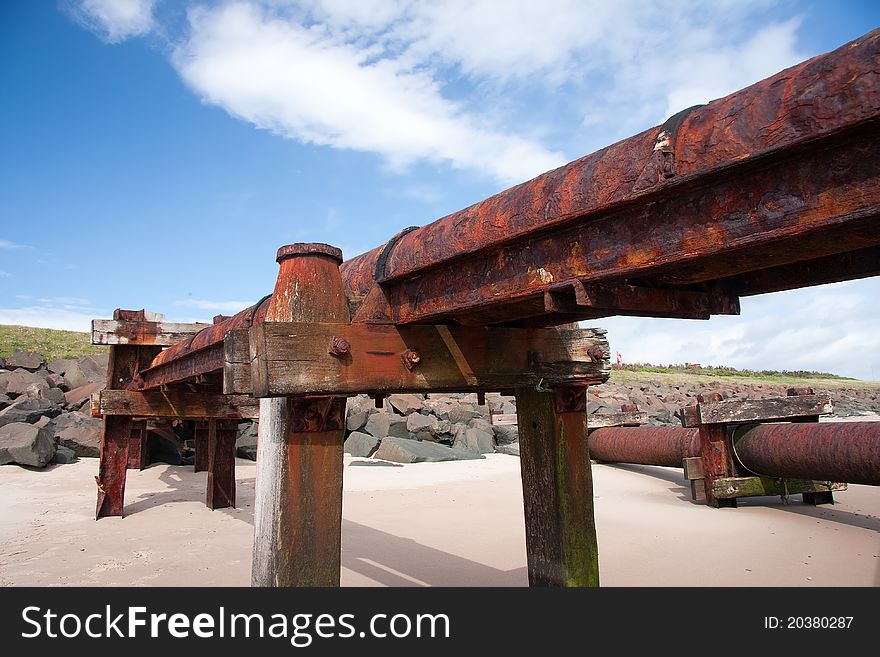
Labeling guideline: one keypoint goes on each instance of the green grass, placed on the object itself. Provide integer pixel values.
(49, 342)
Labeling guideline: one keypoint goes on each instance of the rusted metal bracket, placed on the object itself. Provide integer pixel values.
(314, 415)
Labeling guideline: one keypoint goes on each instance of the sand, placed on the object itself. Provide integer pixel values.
(429, 524)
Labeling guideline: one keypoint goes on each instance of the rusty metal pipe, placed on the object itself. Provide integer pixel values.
(831, 451)
(644, 445)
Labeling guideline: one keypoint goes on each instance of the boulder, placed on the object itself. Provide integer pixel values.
(4, 401)
(475, 440)
(26, 444)
(79, 432)
(508, 407)
(54, 395)
(59, 366)
(361, 444)
(512, 449)
(77, 397)
(463, 413)
(64, 455)
(76, 376)
(18, 382)
(246, 441)
(28, 410)
(25, 359)
(506, 434)
(356, 420)
(482, 424)
(57, 381)
(406, 404)
(377, 464)
(379, 424)
(403, 450)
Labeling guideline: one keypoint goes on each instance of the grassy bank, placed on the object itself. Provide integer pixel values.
(49, 342)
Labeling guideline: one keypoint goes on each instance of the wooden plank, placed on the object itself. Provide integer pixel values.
(693, 467)
(142, 332)
(654, 301)
(599, 420)
(764, 410)
(176, 404)
(698, 490)
(294, 358)
(732, 487)
(200, 457)
(221, 463)
(717, 462)
(503, 419)
(557, 493)
(139, 446)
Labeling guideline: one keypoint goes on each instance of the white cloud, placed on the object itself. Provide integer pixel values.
(50, 317)
(204, 304)
(4, 274)
(307, 84)
(830, 328)
(6, 244)
(116, 20)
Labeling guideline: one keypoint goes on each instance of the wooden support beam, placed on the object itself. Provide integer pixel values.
(200, 457)
(221, 463)
(141, 332)
(733, 411)
(296, 358)
(176, 404)
(629, 419)
(732, 487)
(298, 503)
(138, 446)
(557, 489)
(124, 363)
(717, 459)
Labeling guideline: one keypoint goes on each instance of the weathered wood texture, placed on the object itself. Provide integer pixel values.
(200, 439)
(766, 410)
(298, 505)
(631, 419)
(176, 404)
(557, 493)
(294, 359)
(503, 419)
(141, 332)
(731, 487)
(221, 463)
(717, 462)
(138, 445)
(124, 364)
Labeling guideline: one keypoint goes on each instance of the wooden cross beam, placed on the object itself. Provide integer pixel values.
(276, 359)
(175, 404)
(142, 332)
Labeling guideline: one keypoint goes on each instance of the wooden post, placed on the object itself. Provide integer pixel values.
(221, 463)
(138, 446)
(200, 458)
(298, 506)
(557, 488)
(124, 363)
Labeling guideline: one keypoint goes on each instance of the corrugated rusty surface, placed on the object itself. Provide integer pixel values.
(666, 446)
(818, 97)
(832, 451)
(617, 213)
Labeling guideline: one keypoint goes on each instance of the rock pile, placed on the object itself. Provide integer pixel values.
(42, 419)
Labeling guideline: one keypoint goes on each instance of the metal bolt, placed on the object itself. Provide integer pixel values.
(339, 346)
(481, 398)
(411, 358)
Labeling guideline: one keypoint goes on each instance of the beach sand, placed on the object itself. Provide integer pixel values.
(430, 524)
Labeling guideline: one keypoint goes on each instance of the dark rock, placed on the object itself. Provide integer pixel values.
(402, 450)
(4, 401)
(21, 382)
(64, 455)
(481, 424)
(79, 432)
(406, 404)
(246, 441)
(476, 441)
(25, 359)
(28, 410)
(459, 414)
(512, 449)
(164, 447)
(379, 424)
(508, 408)
(506, 433)
(361, 444)
(26, 444)
(59, 366)
(77, 397)
(57, 381)
(356, 420)
(54, 395)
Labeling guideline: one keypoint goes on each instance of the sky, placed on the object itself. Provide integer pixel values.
(156, 153)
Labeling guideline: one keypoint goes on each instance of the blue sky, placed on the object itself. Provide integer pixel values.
(155, 154)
